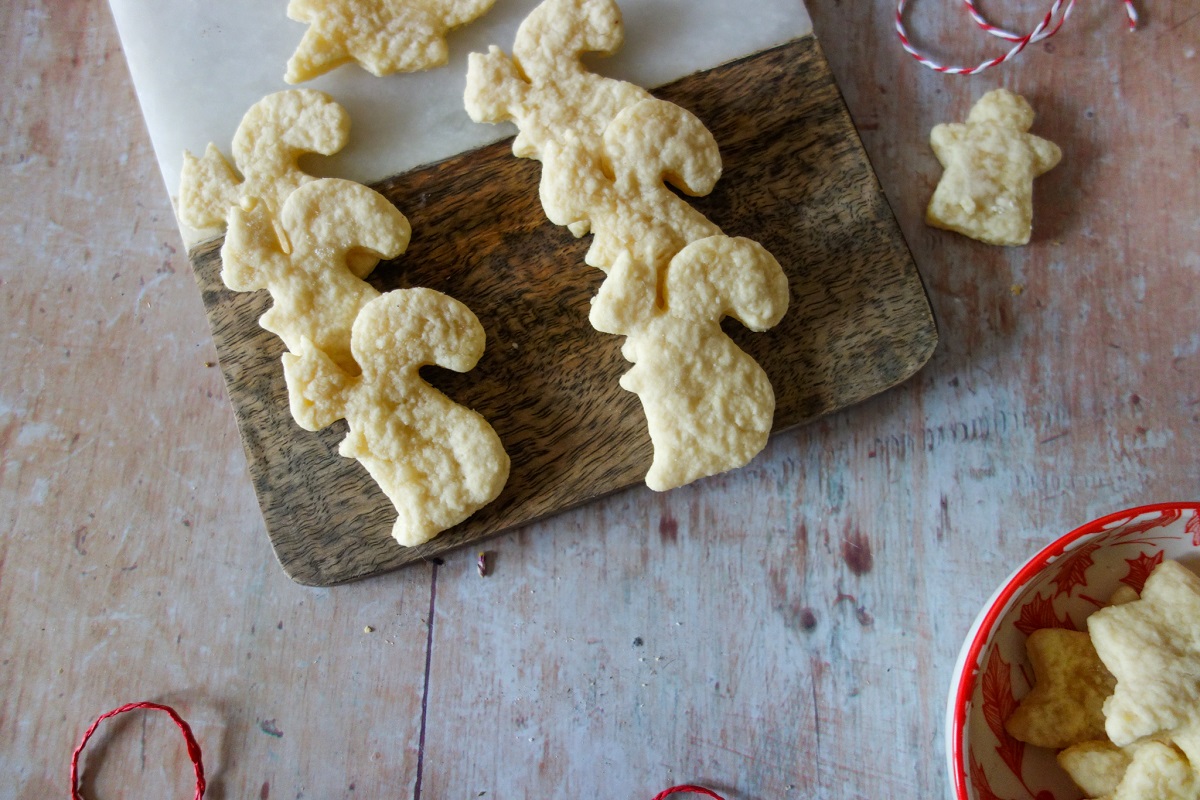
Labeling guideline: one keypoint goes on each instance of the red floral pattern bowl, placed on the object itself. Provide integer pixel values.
(1057, 588)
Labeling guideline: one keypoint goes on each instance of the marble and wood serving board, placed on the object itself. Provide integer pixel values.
(795, 178)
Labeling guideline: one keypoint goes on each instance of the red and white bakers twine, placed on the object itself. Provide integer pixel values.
(193, 749)
(1044, 30)
(693, 789)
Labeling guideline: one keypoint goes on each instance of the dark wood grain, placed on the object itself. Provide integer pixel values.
(796, 178)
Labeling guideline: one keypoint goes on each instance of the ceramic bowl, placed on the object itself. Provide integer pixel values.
(1058, 587)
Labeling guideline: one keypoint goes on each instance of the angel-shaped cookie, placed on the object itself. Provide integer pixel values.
(986, 191)
(269, 142)
(546, 89)
(382, 36)
(709, 406)
(333, 232)
(437, 461)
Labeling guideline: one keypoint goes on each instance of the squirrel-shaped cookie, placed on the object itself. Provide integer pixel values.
(546, 89)
(709, 406)
(382, 36)
(627, 205)
(331, 228)
(269, 142)
(608, 150)
(437, 461)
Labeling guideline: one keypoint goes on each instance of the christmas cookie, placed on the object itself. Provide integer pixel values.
(608, 150)
(304, 259)
(381, 36)
(986, 191)
(269, 142)
(709, 406)
(1096, 767)
(624, 200)
(1158, 771)
(438, 462)
(1070, 687)
(561, 108)
(1152, 646)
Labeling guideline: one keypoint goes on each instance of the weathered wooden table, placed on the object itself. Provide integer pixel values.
(784, 631)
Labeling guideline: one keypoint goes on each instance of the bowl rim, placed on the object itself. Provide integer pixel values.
(965, 675)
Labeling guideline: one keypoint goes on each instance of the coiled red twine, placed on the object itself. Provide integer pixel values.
(1044, 30)
(692, 789)
(193, 748)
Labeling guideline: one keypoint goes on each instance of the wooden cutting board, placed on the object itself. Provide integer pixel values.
(796, 179)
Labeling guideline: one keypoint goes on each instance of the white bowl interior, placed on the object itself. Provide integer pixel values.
(1058, 587)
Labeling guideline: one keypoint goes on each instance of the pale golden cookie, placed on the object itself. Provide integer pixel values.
(1158, 771)
(316, 285)
(608, 150)
(986, 191)
(1187, 738)
(619, 191)
(437, 461)
(382, 36)
(1123, 594)
(269, 142)
(1096, 767)
(1069, 689)
(1152, 646)
(709, 406)
(545, 88)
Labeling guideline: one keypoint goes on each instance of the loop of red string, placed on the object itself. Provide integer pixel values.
(692, 789)
(193, 748)
(1049, 26)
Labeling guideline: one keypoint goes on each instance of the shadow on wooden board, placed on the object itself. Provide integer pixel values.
(796, 179)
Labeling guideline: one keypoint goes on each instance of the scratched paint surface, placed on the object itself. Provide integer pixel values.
(784, 631)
